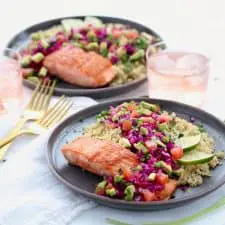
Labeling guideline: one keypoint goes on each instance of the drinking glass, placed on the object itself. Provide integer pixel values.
(11, 88)
(176, 75)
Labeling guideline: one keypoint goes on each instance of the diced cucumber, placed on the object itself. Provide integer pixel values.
(125, 142)
(92, 46)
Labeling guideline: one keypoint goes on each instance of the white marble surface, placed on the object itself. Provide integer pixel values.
(184, 24)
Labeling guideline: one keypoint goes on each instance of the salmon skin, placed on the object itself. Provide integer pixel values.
(77, 67)
(101, 157)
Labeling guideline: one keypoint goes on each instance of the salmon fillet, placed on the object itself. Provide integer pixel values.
(101, 157)
(75, 66)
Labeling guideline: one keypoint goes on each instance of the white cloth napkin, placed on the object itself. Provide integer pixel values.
(30, 194)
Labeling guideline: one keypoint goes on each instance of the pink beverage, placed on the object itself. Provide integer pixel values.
(179, 76)
(11, 88)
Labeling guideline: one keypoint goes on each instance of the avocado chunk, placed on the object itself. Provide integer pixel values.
(125, 142)
(161, 164)
(139, 146)
(38, 57)
(43, 72)
(44, 43)
(36, 36)
(102, 184)
(149, 106)
(111, 192)
(144, 131)
(129, 192)
(33, 79)
(103, 49)
(139, 168)
(26, 60)
(152, 176)
(92, 46)
(118, 179)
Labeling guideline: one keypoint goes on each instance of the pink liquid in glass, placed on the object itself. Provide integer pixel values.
(11, 88)
(178, 76)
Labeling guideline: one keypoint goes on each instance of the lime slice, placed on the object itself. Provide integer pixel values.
(188, 143)
(195, 157)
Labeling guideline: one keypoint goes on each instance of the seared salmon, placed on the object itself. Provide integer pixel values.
(101, 157)
(75, 66)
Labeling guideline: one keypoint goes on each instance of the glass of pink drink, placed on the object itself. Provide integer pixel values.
(11, 88)
(179, 76)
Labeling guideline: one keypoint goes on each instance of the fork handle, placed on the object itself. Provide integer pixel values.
(5, 141)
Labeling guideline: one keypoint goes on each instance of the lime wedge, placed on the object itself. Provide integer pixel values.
(195, 157)
(188, 143)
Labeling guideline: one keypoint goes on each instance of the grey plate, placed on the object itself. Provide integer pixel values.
(20, 40)
(85, 182)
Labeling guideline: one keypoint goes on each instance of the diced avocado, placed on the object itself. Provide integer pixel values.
(26, 60)
(77, 44)
(158, 164)
(77, 36)
(158, 142)
(165, 139)
(103, 49)
(33, 79)
(139, 168)
(177, 172)
(117, 115)
(36, 36)
(139, 122)
(161, 164)
(44, 43)
(118, 179)
(144, 131)
(137, 55)
(149, 106)
(121, 52)
(111, 192)
(139, 146)
(144, 111)
(129, 192)
(163, 127)
(167, 168)
(92, 36)
(125, 142)
(102, 184)
(43, 71)
(152, 176)
(123, 40)
(124, 58)
(38, 57)
(92, 46)
(149, 38)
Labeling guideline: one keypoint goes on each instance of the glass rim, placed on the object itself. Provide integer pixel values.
(202, 71)
(13, 51)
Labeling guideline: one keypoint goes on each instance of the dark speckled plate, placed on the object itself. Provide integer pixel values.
(21, 40)
(85, 182)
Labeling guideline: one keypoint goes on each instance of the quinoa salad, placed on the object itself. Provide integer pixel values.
(124, 46)
(172, 152)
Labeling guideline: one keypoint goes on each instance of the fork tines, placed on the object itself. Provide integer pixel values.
(41, 96)
(56, 112)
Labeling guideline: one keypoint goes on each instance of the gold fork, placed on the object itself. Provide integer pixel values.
(49, 119)
(36, 107)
